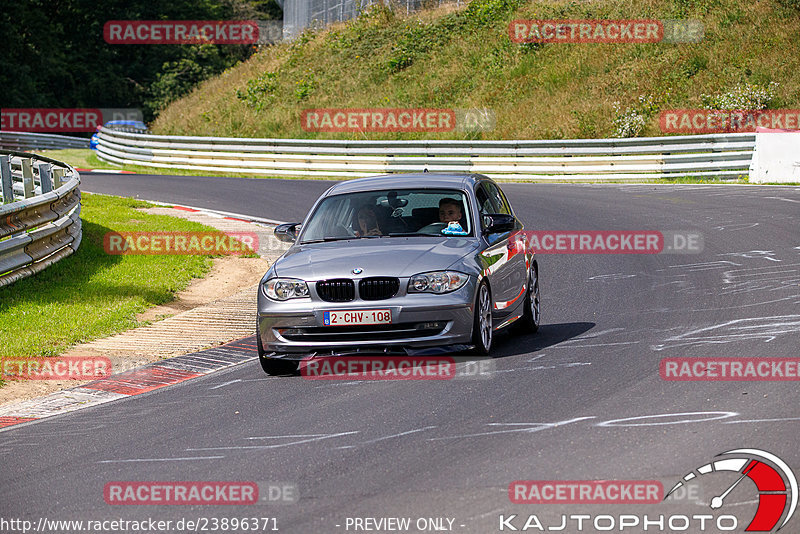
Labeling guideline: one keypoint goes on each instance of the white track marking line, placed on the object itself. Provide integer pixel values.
(226, 383)
(186, 459)
(776, 420)
(262, 447)
(406, 433)
(293, 436)
(784, 199)
(530, 428)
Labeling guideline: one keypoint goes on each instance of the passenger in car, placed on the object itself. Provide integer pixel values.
(366, 222)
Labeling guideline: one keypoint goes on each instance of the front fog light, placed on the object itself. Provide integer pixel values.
(285, 288)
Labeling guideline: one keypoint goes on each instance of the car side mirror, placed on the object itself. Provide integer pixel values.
(286, 232)
(498, 223)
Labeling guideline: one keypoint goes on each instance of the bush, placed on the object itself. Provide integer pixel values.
(417, 39)
(743, 96)
(260, 91)
(631, 121)
(489, 12)
(628, 122)
(791, 4)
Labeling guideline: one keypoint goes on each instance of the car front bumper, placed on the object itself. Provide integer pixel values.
(295, 328)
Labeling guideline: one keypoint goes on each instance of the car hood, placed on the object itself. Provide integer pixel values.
(393, 256)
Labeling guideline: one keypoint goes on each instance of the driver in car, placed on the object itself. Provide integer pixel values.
(450, 213)
(449, 210)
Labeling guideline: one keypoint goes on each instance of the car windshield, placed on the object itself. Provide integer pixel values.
(390, 213)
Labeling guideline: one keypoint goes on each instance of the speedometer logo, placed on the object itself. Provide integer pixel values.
(775, 481)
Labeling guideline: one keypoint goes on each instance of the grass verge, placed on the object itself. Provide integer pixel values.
(92, 294)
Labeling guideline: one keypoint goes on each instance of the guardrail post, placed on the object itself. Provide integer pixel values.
(27, 177)
(58, 177)
(5, 178)
(45, 180)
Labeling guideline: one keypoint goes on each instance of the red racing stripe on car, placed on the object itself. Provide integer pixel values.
(503, 305)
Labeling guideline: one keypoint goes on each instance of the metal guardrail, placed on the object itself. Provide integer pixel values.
(39, 216)
(37, 141)
(726, 156)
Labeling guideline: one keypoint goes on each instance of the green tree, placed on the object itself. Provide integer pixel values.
(52, 52)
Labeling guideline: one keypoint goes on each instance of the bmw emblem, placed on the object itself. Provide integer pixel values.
(358, 270)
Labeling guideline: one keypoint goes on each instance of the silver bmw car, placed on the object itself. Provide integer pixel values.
(400, 264)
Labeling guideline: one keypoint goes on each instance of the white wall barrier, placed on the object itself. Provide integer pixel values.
(776, 157)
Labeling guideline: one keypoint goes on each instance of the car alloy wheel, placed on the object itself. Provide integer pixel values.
(531, 311)
(482, 327)
(535, 305)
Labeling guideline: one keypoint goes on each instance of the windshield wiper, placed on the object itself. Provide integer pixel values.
(341, 238)
(411, 234)
(404, 234)
(327, 239)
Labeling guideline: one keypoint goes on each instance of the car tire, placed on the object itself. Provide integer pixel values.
(531, 308)
(482, 325)
(274, 366)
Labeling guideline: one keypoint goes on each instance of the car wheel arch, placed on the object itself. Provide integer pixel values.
(481, 279)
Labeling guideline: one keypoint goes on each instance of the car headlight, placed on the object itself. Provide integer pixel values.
(437, 282)
(285, 288)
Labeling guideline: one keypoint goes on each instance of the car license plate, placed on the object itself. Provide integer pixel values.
(343, 317)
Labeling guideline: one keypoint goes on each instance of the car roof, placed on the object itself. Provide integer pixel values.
(427, 180)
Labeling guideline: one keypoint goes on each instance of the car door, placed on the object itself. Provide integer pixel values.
(503, 260)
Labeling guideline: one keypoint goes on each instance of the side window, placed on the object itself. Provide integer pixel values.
(486, 203)
(498, 201)
(506, 203)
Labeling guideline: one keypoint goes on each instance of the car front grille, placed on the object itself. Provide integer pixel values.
(378, 288)
(337, 290)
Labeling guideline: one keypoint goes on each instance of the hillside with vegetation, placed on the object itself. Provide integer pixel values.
(462, 57)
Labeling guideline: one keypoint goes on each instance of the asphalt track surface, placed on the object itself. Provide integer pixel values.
(580, 400)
